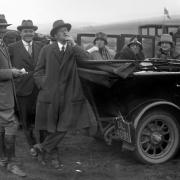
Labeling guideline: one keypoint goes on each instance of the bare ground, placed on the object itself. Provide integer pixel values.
(87, 159)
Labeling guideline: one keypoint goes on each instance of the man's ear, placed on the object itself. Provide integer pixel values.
(20, 32)
(55, 36)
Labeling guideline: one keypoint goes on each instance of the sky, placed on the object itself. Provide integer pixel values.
(84, 12)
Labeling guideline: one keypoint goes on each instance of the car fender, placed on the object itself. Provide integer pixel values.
(152, 105)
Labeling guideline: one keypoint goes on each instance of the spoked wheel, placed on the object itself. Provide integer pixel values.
(157, 137)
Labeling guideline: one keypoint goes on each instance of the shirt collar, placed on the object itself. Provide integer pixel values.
(61, 45)
(26, 43)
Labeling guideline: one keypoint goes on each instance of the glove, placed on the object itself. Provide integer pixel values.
(94, 48)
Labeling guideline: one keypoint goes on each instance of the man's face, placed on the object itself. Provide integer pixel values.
(135, 48)
(166, 46)
(61, 34)
(9, 40)
(27, 34)
(100, 43)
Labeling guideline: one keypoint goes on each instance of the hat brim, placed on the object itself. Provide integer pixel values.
(159, 43)
(54, 30)
(140, 45)
(20, 28)
(5, 24)
(100, 39)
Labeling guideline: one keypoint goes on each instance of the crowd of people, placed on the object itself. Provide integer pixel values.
(40, 88)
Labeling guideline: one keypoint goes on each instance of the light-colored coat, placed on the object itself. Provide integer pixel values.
(7, 94)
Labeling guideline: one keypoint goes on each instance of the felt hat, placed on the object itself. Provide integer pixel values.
(135, 41)
(27, 24)
(166, 38)
(59, 24)
(102, 36)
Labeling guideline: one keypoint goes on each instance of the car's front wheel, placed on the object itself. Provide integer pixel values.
(157, 137)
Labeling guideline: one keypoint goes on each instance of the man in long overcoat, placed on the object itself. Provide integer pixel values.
(24, 55)
(61, 105)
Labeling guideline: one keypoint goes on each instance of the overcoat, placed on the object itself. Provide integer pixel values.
(61, 105)
(20, 58)
(7, 94)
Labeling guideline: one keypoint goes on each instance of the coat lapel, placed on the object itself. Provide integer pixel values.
(57, 53)
(35, 52)
(25, 54)
(23, 50)
(62, 59)
(4, 51)
(67, 55)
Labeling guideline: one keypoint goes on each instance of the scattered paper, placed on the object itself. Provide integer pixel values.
(24, 71)
(79, 163)
(79, 171)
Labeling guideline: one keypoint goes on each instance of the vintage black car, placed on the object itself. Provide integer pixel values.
(142, 109)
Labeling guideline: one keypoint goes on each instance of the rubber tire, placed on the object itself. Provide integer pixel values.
(169, 118)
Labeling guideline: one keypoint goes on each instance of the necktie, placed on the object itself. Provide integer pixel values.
(63, 49)
(3, 46)
(29, 48)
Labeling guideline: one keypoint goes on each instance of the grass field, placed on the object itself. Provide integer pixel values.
(87, 159)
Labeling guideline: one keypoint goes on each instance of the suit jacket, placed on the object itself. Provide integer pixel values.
(7, 94)
(60, 88)
(20, 58)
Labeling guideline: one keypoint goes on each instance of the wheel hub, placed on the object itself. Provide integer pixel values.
(156, 137)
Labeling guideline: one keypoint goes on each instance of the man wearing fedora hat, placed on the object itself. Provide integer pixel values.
(3, 25)
(24, 55)
(61, 104)
(100, 51)
(132, 51)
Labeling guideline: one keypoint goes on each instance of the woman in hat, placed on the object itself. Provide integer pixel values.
(100, 51)
(133, 51)
(166, 48)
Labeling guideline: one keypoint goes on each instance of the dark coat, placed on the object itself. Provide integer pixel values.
(60, 93)
(20, 58)
(127, 54)
(7, 94)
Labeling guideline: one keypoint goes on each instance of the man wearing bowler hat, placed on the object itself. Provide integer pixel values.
(24, 55)
(61, 104)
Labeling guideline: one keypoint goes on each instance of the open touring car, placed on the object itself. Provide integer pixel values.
(143, 109)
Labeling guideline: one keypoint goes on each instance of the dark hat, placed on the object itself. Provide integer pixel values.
(134, 40)
(3, 21)
(11, 34)
(27, 24)
(59, 24)
(102, 36)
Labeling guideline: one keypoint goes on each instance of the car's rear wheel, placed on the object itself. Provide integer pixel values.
(157, 137)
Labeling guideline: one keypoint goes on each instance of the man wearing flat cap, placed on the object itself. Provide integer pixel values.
(61, 105)
(24, 55)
